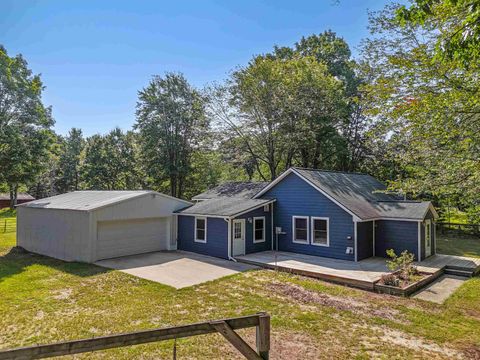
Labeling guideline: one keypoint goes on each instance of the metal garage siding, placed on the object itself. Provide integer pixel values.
(129, 237)
(63, 234)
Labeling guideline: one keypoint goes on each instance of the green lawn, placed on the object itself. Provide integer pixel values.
(45, 300)
(462, 245)
(8, 223)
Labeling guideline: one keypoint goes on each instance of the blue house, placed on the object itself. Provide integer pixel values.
(331, 214)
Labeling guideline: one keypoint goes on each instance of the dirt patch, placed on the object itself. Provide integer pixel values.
(472, 352)
(399, 338)
(304, 296)
(62, 294)
(283, 346)
(39, 315)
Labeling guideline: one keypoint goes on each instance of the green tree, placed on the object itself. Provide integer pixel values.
(171, 123)
(46, 183)
(329, 49)
(25, 135)
(457, 23)
(111, 162)
(70, 161)
(343, 146)
(282, 110)
(427, 109)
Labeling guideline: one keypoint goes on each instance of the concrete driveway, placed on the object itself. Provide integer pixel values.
(178, 269)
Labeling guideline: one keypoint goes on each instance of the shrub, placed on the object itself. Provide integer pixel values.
(402, 263)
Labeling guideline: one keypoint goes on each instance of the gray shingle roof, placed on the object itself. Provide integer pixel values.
(226, 206)
(362, 195)
(239, 189)
(402, 209)
(86, 200)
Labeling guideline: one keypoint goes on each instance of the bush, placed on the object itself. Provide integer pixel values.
(403, 264)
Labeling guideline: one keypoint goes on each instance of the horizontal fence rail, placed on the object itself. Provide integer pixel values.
(225, 327)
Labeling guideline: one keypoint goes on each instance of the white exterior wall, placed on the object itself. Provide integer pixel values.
(62, 234)
(148, 206)
(71, 235)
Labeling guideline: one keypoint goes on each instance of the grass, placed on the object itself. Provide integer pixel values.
(45, 300)
(8, 224)
(462, 245)
(454, 216)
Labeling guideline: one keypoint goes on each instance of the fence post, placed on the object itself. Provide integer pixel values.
(263, 335)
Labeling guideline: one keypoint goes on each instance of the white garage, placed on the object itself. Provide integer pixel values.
(93, 225)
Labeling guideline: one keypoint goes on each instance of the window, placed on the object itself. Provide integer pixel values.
(300, 229)
(320, 231)
(201, 229)
(258, 229)
(237, 230)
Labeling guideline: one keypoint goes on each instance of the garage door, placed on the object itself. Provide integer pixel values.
(129, 237)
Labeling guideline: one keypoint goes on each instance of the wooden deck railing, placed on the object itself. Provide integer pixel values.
(226, 327)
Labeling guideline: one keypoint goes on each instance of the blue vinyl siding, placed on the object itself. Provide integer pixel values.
(296, 197)
(217, 235)
(250, 246)
(365, 239)
(396, 235)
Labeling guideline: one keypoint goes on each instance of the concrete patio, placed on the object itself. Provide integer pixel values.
(178, 269)
(362, 274)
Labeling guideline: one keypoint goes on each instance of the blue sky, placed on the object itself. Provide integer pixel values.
(95, 55)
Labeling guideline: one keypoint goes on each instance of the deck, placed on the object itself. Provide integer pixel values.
(440, 261)
(362, 274)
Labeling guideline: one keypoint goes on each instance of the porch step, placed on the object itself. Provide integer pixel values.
(458, 271)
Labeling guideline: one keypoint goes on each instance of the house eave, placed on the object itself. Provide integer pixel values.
(230, 216)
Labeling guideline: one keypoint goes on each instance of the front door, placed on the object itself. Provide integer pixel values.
(239, 237)
(428, 238)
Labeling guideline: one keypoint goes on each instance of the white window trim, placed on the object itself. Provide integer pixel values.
(195, 230)
(312, 227)
(264, 229)
(305, 242)
(428, 223)
(242, 228)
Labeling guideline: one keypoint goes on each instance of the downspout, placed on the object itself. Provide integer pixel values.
(419, 257)
(271, 224)
(374, 240)
(229, 239)
(355, 241)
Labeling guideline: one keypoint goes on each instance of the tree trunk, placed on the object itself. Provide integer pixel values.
(180, 186)
(173, 185)
(13, 196)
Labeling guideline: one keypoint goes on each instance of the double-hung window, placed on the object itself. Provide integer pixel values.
(320, 231)
(259, 229)
(201, 229)
(300, 229)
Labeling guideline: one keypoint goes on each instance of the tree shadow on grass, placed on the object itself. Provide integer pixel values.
(17, 260)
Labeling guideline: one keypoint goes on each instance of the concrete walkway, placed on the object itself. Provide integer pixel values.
(178, 269)
(441, 289)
